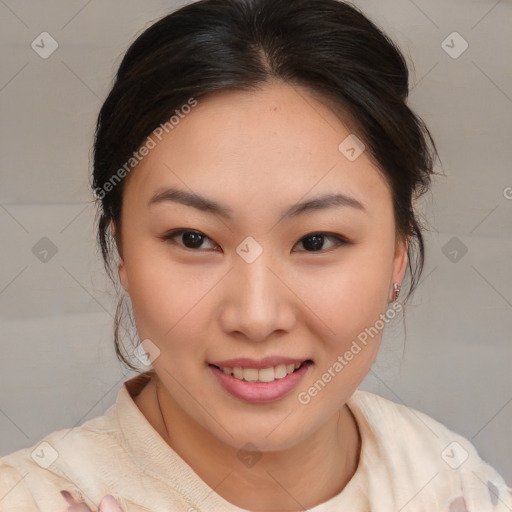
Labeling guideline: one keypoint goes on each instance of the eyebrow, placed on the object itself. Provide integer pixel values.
(208, 205)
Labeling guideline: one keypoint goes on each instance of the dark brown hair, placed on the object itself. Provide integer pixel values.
(327, 47)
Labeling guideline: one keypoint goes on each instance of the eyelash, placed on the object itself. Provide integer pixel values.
(340, 241)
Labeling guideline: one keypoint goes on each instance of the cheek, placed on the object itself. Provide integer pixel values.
(349, 296)
(160, 292)
(170, 303)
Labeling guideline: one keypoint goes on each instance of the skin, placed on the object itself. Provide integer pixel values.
(107, 504)
(259, 153)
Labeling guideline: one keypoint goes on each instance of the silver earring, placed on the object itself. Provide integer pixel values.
(396, 289)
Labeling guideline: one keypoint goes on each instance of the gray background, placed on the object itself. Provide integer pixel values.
(57, 364)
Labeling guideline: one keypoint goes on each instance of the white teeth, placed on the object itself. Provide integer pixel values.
(250, 374)
(280, 371)
(264, 375)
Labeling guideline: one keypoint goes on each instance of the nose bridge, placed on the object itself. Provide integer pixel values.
(256, 281)
(257, 303)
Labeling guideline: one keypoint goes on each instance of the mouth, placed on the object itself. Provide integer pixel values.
(260, 385)
(262, 375)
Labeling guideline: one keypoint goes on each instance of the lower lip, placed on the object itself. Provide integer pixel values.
(259, 392)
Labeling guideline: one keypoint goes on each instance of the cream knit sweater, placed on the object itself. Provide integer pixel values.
(409, 463)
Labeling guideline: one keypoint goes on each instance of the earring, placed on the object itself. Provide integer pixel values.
(396, 289)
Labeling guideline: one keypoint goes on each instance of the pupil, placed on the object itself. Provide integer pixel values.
(192, 240)
(317, 241)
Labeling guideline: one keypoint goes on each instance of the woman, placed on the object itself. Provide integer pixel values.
(257, 167)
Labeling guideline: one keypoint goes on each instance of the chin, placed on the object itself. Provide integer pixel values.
(262, 438)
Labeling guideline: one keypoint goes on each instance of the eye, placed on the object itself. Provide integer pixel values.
(315, 241)
(191, 239)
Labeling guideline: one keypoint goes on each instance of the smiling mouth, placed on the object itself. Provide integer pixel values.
(269, 374)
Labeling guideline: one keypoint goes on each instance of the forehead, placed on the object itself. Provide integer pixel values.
(277, 144)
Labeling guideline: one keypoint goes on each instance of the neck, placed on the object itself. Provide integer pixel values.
(300, 477)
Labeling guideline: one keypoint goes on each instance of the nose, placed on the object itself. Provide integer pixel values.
(257, 300)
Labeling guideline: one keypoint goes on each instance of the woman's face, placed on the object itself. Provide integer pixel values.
(250, 281)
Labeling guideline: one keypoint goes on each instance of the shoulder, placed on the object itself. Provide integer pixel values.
(66, 459)
(15, 495)
(420, 452)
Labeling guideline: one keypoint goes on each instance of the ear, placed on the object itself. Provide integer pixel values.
(399, 264)
(121, 268)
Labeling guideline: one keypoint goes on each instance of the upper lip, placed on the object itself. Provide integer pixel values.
(266, 362)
